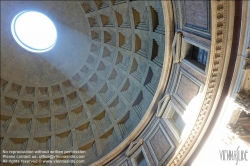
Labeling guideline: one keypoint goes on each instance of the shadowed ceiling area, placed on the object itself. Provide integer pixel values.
(92, 89)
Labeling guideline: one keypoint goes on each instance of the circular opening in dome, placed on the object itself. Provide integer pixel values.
(34, 31)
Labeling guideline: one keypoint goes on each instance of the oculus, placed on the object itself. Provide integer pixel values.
(34, 31)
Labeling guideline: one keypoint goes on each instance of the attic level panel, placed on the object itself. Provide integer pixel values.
(193, 17)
